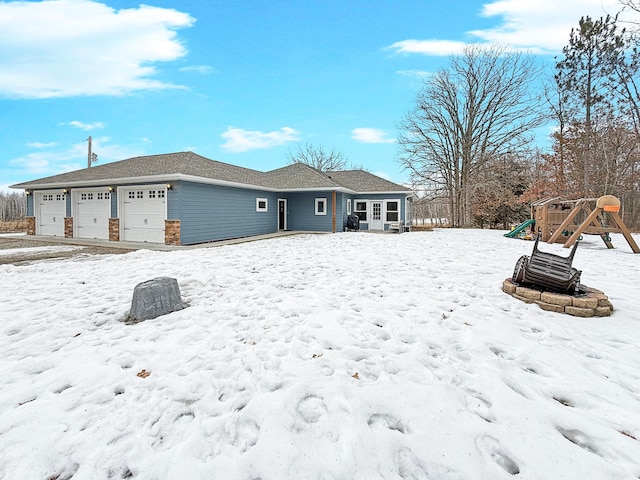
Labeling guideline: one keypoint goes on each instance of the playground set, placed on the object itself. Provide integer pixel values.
(558, 220)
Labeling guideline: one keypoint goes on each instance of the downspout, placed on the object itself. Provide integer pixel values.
(333, 211)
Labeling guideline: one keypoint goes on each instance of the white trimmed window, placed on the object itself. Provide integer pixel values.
(361, 211)
(348, 206)
(262, 204)
(392, 210)
(321, 206)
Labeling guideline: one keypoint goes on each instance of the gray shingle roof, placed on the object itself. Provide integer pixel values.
(299, 176)
(171, 166)
(362, 181)
(165, 165)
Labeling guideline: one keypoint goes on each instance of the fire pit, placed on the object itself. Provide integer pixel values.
(552, 283)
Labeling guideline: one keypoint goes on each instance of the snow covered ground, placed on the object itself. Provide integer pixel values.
(346, 356)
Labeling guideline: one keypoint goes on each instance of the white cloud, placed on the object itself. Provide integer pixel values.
(86, 126)
(415, 73)
(370, 135)
(240, 140)
(63, 48)
(541, 26)
(428, 47)
(202, 69)
(41, 145)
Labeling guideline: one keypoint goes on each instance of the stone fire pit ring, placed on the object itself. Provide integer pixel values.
(589, 302)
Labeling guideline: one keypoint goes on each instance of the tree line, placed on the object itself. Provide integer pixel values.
(13, 207)
(469, 141)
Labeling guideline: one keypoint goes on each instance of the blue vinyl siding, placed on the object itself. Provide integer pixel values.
(209, 212)
(30, 209)
(302, 212)
(114, 204)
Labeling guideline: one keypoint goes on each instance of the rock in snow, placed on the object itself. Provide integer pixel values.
(153, 298)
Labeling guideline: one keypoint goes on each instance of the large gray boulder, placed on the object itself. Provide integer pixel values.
(153, 298)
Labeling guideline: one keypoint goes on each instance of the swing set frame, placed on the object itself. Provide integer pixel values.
(602, 217)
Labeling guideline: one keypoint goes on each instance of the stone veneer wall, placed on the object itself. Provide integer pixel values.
(172, 232)
(593, 303)
(114, 229)
(68, 227)
(31, 225)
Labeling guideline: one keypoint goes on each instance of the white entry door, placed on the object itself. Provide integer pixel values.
(92, 212)
(144, 210)
(376, 222)
(51, 208)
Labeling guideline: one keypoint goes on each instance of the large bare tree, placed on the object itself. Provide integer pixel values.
(479, 108)
(319, 158)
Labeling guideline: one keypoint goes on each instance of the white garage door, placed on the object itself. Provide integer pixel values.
(92, 212)
(51, 208)
(144, 210)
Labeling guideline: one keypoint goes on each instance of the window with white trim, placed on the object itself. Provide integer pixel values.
(361, 211)
(262, 204)
(321, 206)
(348, 206)
(392, 211)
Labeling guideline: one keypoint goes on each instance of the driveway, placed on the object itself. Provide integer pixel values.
(18, 250)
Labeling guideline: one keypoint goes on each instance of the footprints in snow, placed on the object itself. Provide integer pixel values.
(491, 448)
(383, 421)
(311, 409)
(244, 435)
(578, 438)
(478, 404)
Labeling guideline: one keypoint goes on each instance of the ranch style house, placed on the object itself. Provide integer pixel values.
(184, 199)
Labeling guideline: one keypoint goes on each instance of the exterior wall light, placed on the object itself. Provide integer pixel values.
(169, 186)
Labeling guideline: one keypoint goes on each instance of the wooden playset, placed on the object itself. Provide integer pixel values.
(558, 220)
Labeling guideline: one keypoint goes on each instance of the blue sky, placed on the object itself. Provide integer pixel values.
(241, 82)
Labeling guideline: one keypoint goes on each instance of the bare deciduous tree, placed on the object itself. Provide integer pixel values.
(13, 206)
(480, 108)
(318, 157)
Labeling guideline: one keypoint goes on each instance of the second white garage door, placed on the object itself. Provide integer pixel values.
(92, 212)
(144, 210)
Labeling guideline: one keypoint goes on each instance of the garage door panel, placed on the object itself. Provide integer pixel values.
(52, 209)
(92, 212)
(144, 214)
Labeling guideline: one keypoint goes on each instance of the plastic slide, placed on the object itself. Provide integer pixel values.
(519, 228)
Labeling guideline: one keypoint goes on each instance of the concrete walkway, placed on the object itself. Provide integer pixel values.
(151, 246)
